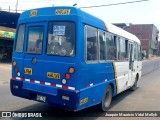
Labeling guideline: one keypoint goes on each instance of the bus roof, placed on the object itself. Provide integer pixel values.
(116, 30)
(65, 11)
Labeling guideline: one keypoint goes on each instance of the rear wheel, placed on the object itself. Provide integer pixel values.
(106, 101)
(134, 87)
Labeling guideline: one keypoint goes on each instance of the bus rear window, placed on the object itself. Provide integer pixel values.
(20, 38)
(61, 39)
(35, 39)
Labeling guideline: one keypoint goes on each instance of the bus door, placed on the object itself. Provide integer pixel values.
(135, 64)
(34, 57)
(131, 62)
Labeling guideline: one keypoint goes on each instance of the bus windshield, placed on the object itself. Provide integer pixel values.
(61, 39)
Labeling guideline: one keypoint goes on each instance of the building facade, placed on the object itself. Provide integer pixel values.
(8, 23)
(158, 48)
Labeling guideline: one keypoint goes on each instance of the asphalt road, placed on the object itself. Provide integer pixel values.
(145, 98)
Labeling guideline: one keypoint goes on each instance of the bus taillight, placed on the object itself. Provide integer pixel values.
(16, 69)
(14, 63)
(71, 70)
(67, 76)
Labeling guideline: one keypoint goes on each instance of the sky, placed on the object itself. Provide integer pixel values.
(147, 12)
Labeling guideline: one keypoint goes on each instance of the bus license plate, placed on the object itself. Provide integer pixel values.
(41, 98)
(28, 71)
(53, 75)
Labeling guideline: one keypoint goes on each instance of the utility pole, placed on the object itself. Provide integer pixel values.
(16, 6)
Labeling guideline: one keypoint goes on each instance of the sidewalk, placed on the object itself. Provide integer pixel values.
(150, 59)
(6, 64)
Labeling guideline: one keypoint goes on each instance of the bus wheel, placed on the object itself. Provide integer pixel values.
(106, 101)
(134, 87)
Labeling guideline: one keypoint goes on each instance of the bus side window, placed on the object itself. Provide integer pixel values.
(135, 52)
(140, 56)
(118, 48)
(122, 55)
(111, 47)
(20, 38)
(102, 42)
(126, 49)
(92, 45)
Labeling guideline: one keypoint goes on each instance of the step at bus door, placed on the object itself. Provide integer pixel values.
(35, 50)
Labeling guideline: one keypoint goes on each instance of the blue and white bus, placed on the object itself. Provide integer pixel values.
(66, 57)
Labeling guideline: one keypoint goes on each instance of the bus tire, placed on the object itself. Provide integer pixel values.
(106, 101)
(134, 87)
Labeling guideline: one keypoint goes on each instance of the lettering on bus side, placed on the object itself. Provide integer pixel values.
(33, 13)
(53, 75)
(83, 101)
(62, 11)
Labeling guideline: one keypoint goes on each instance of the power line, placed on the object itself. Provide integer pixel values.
(7, 2)
(11, 10)
(116, 4)
(27, 1)
(41, 1)
(103, 5)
